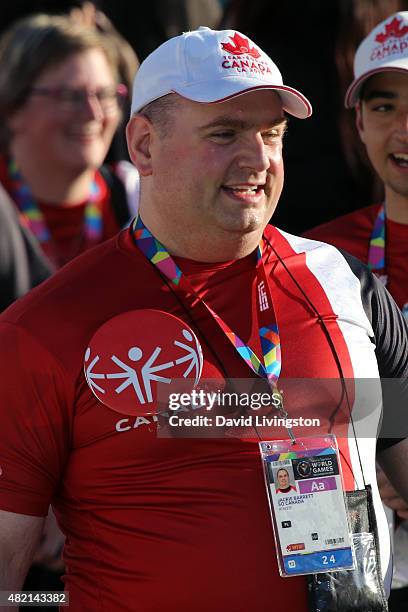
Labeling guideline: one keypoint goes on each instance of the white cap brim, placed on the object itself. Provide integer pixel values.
(354, 91)
(293, 102)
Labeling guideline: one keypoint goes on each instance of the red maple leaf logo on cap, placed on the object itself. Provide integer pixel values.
(394, 28)
(241, 46)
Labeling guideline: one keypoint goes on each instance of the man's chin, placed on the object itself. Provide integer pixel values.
(243, 231)
(399, 187)
(251, 221)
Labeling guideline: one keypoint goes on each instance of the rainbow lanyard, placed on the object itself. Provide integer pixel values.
(33, 218)
(376, 252)
(270, 366)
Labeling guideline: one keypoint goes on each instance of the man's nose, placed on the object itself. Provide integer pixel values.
(402, 123)
(254, 154)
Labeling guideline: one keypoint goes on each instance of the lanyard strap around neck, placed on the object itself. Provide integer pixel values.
(376, 252)
(270, 365)
(34, 218)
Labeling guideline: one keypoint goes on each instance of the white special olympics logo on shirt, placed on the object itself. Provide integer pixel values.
(134, 352)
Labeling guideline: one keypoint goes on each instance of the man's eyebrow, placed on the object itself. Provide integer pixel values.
(227, 121)
(379, 93)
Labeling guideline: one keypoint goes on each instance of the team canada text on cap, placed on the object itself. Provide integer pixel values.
(384, 49)
(212, 66)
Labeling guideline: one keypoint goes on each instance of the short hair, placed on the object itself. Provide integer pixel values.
(363, 91)
(33, 45)
(161, 113)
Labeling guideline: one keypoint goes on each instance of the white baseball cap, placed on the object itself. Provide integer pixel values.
(384, 49)
(212, 66)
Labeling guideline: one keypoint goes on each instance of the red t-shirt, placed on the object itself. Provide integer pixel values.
(156, 524)
(352, 233)
(66, 221)
(289, 489)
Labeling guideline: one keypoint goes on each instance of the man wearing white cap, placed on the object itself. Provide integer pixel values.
(199, 288)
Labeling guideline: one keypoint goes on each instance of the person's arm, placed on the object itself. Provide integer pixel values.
(48, 554)
(35, 435)
(390, 496)
(391, 342)
(19, 537)
(394, 462)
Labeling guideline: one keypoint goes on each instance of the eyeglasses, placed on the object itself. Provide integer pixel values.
(73, 100)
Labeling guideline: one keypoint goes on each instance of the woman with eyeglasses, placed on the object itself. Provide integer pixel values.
(60, 105)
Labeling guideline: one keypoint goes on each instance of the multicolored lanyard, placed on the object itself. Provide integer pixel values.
(33, 218)
(376, 252)
(270, 365)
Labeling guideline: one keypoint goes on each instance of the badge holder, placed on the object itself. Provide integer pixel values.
(362, 588)
(307, 504)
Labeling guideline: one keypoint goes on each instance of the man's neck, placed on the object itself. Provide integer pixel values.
(202, 247)
(396, 207)
(54, 185)
(210, 250)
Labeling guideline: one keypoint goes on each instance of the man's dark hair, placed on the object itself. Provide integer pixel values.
(161, 113)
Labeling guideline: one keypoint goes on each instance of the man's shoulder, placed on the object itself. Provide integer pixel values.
(289, 244)
(333, 266)
(360, 221)
(64, 307)
(351, 232)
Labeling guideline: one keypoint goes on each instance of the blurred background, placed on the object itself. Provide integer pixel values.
(313, 43)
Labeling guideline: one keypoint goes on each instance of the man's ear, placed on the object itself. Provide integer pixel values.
(359, 120)
(139, 136)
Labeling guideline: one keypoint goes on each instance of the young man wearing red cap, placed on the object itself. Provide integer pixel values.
(199, 288)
